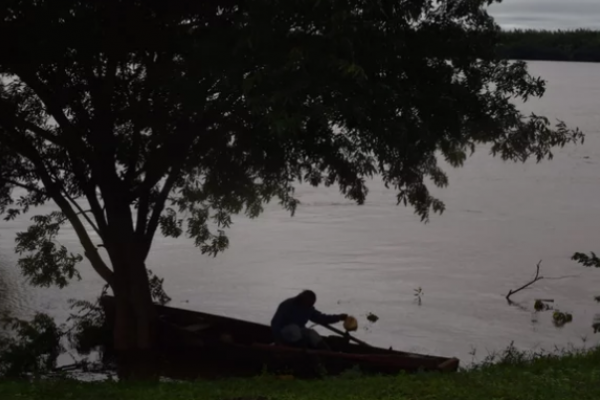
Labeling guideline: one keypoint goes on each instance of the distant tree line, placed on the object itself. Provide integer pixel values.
(572, 45)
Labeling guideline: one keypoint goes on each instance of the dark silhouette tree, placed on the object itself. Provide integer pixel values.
(137, 116)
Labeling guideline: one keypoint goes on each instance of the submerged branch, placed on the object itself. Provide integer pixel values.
(536, 278)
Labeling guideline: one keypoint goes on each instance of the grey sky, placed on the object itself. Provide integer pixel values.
(547, 14)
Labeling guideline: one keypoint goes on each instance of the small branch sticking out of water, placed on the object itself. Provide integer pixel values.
(536, 278)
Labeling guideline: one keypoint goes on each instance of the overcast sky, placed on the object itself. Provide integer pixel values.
(547, 14)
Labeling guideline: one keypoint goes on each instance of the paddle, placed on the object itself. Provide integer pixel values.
(345, 334)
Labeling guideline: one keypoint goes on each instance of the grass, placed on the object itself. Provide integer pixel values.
(513, 375)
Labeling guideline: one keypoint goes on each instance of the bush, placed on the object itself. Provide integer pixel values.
(30, 347)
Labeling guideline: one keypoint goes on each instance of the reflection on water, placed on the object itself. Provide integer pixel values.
(8, 287)
(12, 301)
(4, 288)
(501, 219)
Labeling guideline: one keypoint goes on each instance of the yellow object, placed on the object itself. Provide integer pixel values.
(350, 324)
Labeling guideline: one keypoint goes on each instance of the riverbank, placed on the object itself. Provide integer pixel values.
(515, 376)
(581, 45)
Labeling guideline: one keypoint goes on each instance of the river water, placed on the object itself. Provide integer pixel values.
(501, 219)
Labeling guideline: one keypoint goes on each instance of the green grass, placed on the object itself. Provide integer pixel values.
(514, 377)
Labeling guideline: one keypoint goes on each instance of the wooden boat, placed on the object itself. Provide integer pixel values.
(195, 344)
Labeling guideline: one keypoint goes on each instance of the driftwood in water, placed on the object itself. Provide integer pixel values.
(536, 278)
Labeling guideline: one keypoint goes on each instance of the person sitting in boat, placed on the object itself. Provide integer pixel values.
(289, 322)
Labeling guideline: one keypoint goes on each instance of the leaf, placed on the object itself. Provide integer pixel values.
(170, 225)
(587, 261)
(156, 289)
(42, 261)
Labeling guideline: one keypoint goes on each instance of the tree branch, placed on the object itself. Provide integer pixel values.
(79, 213)
(169, 150)
(9, 118)
(55, 108)
(87, 185)
(170, 158)
(142, 213)
(84, 213)
(169, 153)
(536, 278)
(73, 144)
(55, 190)
(132, 172)
(159, 205)
(90, 194)
(41, 132)
(23, 186)
(90, 250)
(101, 91)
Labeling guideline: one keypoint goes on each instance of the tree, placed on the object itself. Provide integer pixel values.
(590, 261)
(570, 45)
(138, 116)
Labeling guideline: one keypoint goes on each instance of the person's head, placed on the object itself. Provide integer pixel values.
(307, 298)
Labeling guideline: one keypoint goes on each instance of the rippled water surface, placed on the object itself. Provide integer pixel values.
(501, 219)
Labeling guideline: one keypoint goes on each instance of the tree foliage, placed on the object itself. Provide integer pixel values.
(558, 45)
(33, 349)
(44, 262)
(134, 116)
(591, 260)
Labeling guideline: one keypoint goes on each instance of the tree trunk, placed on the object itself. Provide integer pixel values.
(135, 323)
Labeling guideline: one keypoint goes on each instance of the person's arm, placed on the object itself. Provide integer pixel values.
(319, 318)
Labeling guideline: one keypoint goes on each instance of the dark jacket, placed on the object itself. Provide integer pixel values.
(290, 312)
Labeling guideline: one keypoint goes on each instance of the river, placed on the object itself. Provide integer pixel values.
(501, 219)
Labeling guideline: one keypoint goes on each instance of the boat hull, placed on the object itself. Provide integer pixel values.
(195, 345)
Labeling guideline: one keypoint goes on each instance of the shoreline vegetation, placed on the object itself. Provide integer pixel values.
(581, 45)
(565, 375)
